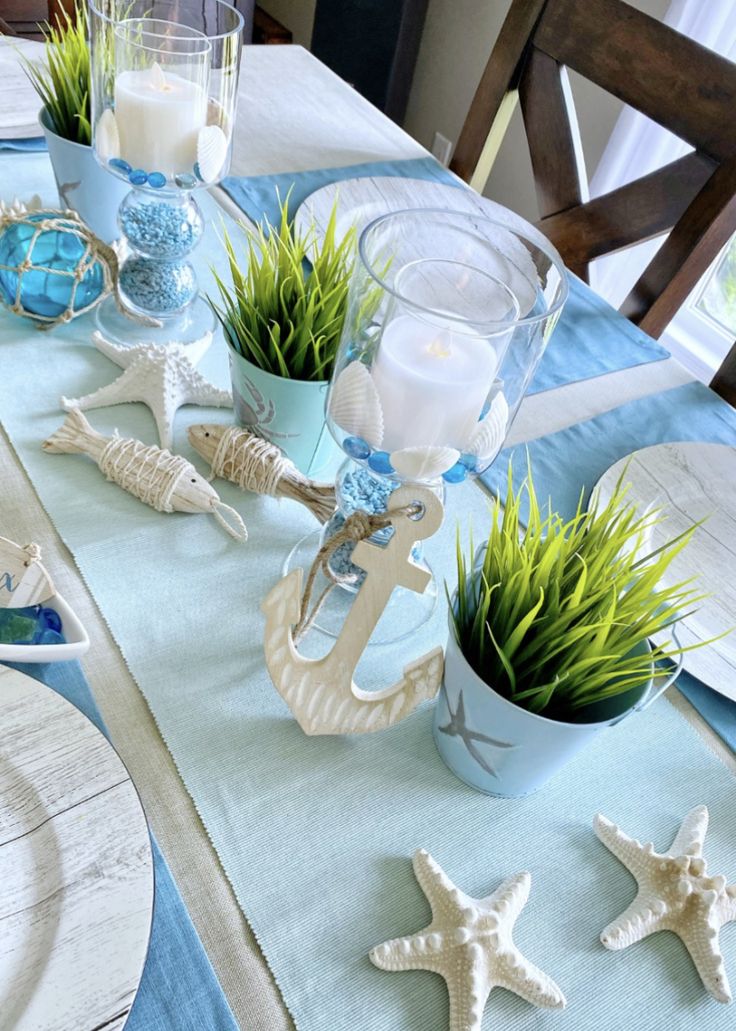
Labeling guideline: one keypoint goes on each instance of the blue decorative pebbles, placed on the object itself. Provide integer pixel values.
(161, 230)
(158, 286)
(138, 177)
(157, 180)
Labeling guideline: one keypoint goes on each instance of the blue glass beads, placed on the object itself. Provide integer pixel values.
(380, 462)
(356, 448)
(456, 473)
(118, 165)
(138, 177)
(157, 180)
(44, 267)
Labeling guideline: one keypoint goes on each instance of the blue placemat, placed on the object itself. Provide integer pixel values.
(574, 459)
(591, 338)
(34, 143)
(179, 989)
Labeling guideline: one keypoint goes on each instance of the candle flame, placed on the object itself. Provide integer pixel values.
(157, 79)
(440, 347)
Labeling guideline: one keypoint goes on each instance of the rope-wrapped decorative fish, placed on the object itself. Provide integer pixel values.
(166, 482)
(258, 465)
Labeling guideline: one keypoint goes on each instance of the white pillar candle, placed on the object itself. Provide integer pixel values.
(432, 382)
(159, 115)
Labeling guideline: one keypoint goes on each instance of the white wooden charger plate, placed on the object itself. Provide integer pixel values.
(76, 869)
(690, 482)
(360, 201)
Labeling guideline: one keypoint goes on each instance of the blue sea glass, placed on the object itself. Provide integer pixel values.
(380, 462)
(45, 292)
(36, 624)
(456, 474)
(356, 448)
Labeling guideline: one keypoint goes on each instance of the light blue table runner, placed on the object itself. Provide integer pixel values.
(179, 990)
(574, 459)
(591, 338)
(316, 834)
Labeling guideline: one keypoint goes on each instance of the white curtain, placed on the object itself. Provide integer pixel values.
(638, 146)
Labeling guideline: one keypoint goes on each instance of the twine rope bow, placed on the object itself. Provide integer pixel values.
(358, 526)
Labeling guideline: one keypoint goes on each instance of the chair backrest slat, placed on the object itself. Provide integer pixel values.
(549, 112)
(639, 211)
(658, 71)
(683, 86)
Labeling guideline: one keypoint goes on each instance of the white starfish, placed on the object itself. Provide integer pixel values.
(162, 376)
(469, 944)
(675, 894)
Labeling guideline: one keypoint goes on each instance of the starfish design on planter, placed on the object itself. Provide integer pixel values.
(162, 376)
(675, 894)
(457, 727)
(469, 944)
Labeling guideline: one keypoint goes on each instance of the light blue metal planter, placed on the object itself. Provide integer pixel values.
(83, 185)
(288, 412)
(501, 749)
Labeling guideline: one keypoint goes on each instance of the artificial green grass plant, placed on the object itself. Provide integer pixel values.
(553, 612)
(286, 307)
(63, 82)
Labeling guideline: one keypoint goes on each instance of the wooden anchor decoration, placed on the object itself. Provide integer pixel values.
(321, 693)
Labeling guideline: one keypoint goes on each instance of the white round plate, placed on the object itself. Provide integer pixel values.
(690, 482)
(360, 201)
(76, 870)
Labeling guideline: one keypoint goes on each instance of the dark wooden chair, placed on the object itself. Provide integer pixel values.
(26, 17)
(724, 381)
(679, 84)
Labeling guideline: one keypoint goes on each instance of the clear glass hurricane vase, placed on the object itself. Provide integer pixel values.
(164, 87)
(448, 317)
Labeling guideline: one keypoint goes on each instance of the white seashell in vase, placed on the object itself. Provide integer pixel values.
(211, 152)
(107, 137)
(490, 433)
(423, 463)
(355, 405)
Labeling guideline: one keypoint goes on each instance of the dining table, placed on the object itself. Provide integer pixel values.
(294, 115)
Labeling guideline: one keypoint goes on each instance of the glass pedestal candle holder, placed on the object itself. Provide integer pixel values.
(164, 89)
(448, 317)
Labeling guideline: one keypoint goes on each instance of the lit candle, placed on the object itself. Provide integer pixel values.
(432, 382)
(159, 116)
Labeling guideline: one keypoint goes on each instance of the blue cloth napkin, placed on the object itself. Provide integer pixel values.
(591, 338)
(574, 459)
(179, 990)
(33, 144)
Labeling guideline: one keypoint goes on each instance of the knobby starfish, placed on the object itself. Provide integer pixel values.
(675, 894)
(162, 376)
(469, 944)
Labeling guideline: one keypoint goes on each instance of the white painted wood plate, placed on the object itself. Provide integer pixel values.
(360, 201)
(76, 870)
(691, 482)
